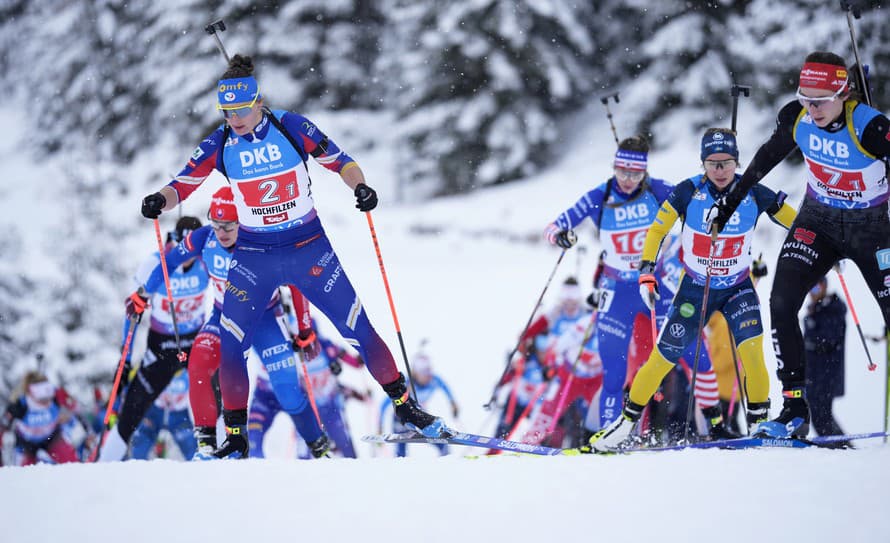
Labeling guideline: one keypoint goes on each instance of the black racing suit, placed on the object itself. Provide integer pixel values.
(821, 236)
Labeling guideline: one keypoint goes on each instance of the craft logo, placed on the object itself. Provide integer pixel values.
(807, 237)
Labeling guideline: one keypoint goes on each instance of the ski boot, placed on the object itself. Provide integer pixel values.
(793, 421)
(717, 429)
(321, 447)
(206, 438)
(236, 445)
(610, 438)
(410, 413)
(758, 412)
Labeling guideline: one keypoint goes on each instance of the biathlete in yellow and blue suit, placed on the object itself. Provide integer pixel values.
(731, 290)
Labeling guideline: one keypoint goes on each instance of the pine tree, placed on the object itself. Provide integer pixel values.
(477, 87)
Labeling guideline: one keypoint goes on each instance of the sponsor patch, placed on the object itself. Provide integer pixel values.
(807, 237)
(687, 310)
(883, 257)
(887, 280)
(315, 271)
(678, 330)
(198, 153)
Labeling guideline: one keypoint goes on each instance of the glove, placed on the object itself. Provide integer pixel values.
(307, 344)
(135, 306)
(336, 367)
(366, 197)
(593, 299)
(566, 238)
(153, 205)
(648, 284)
(721, 212)
(758, 268)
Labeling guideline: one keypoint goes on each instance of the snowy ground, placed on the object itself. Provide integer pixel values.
(465, 273)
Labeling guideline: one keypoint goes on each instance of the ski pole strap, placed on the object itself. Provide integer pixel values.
(303, 343)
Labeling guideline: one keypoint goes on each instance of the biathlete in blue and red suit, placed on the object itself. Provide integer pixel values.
(213, 245)
(281, 240)
(622, 209)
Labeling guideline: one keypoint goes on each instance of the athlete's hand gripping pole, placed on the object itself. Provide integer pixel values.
(837, 268)
(180, 355)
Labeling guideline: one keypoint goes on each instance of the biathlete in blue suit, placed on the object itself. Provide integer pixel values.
(213, 245)
(188, 282)
(281, 240)
(622, 209)
(727, 262)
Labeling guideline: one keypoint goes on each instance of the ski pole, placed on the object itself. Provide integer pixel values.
(871, 365)
(701, 325)
(491, 400)
(734, 91)
(564, 390)
(392, 306)
(211, 29)
(605, 101)
(180, 355)
(309, 340)
(517, 377)
(531, 404)
(117, 381)
(854, 9)
(743, 395)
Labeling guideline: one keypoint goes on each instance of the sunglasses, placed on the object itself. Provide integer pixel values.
(226, 226)
(633, 175)
(242, 111)
(720, 164)
(807, 101)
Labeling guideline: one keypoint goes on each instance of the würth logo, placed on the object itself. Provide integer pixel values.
(316, 271)
(804, 236)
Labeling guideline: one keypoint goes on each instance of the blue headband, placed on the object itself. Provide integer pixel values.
(237, 92)
(719, 142)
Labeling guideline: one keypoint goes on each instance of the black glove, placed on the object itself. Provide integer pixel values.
(758, 268)
(566, 238)
(365, 197)
(593, 299)
(726, 206)
(336, 367)
(135, 306)
(152, 205)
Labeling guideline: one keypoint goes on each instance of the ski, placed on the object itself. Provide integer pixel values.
(469, 440)
(754, 442)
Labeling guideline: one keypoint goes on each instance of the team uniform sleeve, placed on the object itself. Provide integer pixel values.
(316, 143)
(773, 204)
(876, 137)
(199, 166)
(190, 247)
(590, 205)
(672, 209)
(776, 148)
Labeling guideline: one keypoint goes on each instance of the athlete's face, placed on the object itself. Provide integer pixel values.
(243, 124)
(629, 180)
(720, 169)
(226, 232)
(824, 111)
